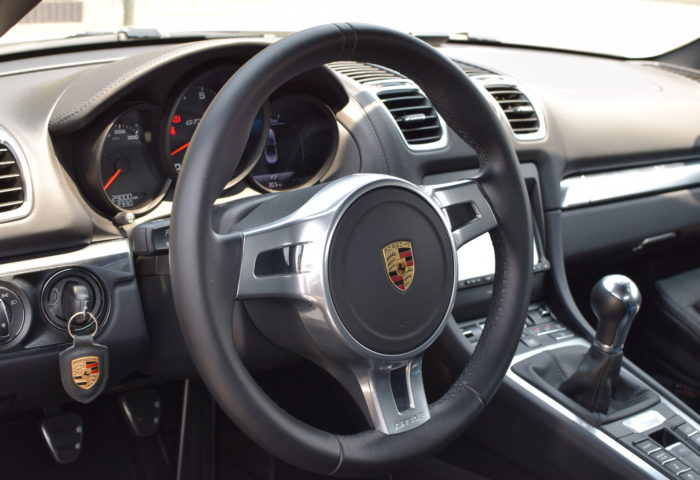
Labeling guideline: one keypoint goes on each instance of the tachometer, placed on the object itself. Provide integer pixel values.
(187, 111)
(120, 167)
(300, 143)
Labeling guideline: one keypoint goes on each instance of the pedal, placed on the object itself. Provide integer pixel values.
(64, 436)
(142, 411)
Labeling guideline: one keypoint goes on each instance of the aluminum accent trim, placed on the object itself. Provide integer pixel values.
(583, 190)
(564, 412)
(92, 251)
(8, 141)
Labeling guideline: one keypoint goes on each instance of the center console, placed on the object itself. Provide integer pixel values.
(579, 382)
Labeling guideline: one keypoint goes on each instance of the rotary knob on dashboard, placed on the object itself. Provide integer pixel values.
(11, 314)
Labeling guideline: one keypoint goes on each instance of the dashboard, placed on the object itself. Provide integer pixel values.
(92, 143)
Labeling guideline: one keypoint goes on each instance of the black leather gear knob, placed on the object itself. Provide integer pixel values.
(615, 301)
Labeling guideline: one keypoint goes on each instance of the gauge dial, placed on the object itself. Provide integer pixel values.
(187, 112)
(120, 167)
(300, 143)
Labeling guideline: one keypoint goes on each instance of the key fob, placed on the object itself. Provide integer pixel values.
(84, 366)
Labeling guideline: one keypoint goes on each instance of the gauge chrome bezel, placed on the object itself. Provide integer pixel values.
(90, 160)
(189, 80)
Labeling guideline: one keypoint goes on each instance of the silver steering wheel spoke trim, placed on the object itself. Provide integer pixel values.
(394, 394)
(477, 212)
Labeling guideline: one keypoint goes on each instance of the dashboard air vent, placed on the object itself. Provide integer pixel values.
(473, 70)
(518, 108)
(11, 188)
(15, 192)
(414, 114)
(365, 72)
(690, 73)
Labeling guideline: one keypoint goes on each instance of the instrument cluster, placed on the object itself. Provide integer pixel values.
(129, 161)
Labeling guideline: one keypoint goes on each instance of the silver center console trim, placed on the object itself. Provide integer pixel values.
(595, 188)
(604, 438)
(92, 251)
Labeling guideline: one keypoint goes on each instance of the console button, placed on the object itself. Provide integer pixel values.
(695, 440)
(677, 467)
(648, 446)
(690, 475)
(678, 450)
(563, 335)
(662, 456)
(686, 429)
(692, 459)
(531, 342)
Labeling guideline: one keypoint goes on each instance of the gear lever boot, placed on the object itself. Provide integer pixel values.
(615, 300)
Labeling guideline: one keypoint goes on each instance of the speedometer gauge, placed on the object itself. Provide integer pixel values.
(187, 111)
(120, 167)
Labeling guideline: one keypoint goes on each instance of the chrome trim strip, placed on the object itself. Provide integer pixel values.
(604, 438)
(9, 142)
(595, 188)
(92, 251)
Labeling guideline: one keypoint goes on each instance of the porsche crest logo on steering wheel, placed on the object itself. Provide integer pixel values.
(399, 264)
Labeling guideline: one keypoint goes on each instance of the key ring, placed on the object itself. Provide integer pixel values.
(84, 314)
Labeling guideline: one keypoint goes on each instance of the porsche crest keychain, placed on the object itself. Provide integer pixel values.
(84, 365)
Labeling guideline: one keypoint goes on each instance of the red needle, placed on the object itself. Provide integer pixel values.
(112, 179)
(178, 150)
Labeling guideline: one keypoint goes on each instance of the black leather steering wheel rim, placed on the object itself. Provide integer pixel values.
(202, 273)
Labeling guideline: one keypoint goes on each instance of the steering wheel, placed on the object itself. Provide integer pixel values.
(358, 275)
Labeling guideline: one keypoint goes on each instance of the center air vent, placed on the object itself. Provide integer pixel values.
(414, 114)
(14, 198)
(473, 70)
(365, 72)
(519, 110)
(690, 73)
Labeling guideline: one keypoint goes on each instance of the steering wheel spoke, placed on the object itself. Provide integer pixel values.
(275, 261)
(394, 395)
(466, 209)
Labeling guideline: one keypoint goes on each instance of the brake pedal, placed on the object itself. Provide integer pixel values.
(141, 410)
(64, 436)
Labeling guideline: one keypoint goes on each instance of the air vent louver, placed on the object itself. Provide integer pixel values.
(11, 186)
(365, 72)
(414, 114)
(473, 70)
(517, 107)
(690, 73)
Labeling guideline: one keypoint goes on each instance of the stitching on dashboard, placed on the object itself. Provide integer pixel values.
(74, 110)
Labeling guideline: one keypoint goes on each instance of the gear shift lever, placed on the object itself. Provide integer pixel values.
(615, 300)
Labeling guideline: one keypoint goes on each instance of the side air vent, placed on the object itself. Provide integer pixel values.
(414, 114)
(518, 108)
(473, 70)
(15, 199)
(365, 72)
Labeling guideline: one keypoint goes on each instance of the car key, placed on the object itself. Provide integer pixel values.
(84, 365)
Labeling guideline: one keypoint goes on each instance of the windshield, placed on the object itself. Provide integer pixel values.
(629, 28)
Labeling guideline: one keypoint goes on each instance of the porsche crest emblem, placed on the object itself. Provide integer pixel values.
(399, 264)
(86, 371)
